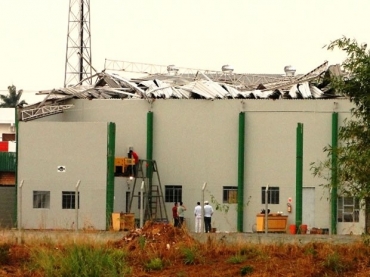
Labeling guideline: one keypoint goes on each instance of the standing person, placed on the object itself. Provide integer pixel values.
(134, 155)
(181, 213)
(208, 212)
(198, 217)
(175, 215)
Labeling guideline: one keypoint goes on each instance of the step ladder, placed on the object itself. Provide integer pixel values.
(154, 204)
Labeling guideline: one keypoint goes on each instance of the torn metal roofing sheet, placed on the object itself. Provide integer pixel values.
(205, 84)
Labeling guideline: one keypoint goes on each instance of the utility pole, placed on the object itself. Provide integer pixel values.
(78, 69)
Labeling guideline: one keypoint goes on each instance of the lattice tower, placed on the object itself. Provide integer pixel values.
(78, 67)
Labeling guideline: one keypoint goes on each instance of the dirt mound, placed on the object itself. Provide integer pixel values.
(156, 232)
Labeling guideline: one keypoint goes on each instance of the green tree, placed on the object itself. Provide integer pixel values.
(12, 99)
(353, 151)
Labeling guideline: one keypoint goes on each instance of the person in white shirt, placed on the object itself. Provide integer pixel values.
(208, 212)
(181, 213)
(198, 217)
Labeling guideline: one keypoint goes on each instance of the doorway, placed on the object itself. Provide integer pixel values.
(308, 206)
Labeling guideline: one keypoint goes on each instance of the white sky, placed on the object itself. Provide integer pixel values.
(254, 36)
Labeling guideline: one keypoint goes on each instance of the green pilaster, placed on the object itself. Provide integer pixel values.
(241, 172)
(299, 175)
(111, 146)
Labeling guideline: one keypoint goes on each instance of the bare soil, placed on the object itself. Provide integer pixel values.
(182, 255)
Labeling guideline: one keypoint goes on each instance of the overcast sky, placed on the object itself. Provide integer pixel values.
(254, 36)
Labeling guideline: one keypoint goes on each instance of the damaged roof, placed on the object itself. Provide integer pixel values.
(185, 83)
(200, 85)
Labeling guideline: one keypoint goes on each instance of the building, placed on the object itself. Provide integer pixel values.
(236, 140)
(7, 168)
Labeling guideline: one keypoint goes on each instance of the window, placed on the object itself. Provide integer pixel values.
(273, 195)
(68, 200)
(348, 209)
(41, 199)
(230, 194)
(173, 194)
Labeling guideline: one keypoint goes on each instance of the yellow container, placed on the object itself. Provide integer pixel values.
(116, 221)
(119, 161)
(129, 161)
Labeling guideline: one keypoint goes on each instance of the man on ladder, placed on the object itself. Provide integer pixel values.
(134, 155)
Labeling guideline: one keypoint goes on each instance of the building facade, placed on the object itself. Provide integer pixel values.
(194, 141)
(7, 168)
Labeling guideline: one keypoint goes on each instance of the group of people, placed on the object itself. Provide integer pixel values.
(178, 214)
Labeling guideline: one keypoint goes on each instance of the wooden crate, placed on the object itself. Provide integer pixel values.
(276, 223)
(127, 221)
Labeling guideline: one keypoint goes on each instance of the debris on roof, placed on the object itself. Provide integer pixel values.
(185, 83)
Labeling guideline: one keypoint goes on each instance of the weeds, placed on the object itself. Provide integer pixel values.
(162, 250)
(141, 242)
(154, 264)
(365, 239)
(334, 263)
(190, 255)
(236, 259)
(181, 274)
(79, 260)
(311, 251)
(250, 252)
(246, 270)
(4, 253)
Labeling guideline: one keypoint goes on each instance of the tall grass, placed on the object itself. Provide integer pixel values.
(79, 260)
(170, 252)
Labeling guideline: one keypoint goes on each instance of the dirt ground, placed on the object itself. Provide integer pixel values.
(185, 254)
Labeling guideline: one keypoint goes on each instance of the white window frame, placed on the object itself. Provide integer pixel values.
(348, 209)
(230, 194)
(273, 195)
(41, 199)
(172, 193)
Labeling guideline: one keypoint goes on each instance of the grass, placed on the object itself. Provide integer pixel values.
(79, 260)
(236, 259)
(154, 264)
(168, 252)
(190, 255)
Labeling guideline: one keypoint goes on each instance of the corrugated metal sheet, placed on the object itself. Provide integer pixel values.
(7, 161)
(195, 85)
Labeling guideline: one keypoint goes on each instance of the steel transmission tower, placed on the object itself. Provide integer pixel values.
(78, 67)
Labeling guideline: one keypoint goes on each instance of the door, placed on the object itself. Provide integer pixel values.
(7, 206)
(308, 206)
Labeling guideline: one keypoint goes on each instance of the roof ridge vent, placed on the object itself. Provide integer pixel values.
(172, 68)
(227, 68)
(289, 70)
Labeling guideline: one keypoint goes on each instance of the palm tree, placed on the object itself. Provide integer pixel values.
(11, 100)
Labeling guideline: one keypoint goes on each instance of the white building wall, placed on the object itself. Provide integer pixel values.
(82, 149)
(7, 121)
(196, 141)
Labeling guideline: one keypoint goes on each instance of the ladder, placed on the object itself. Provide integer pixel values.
(154, 204)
